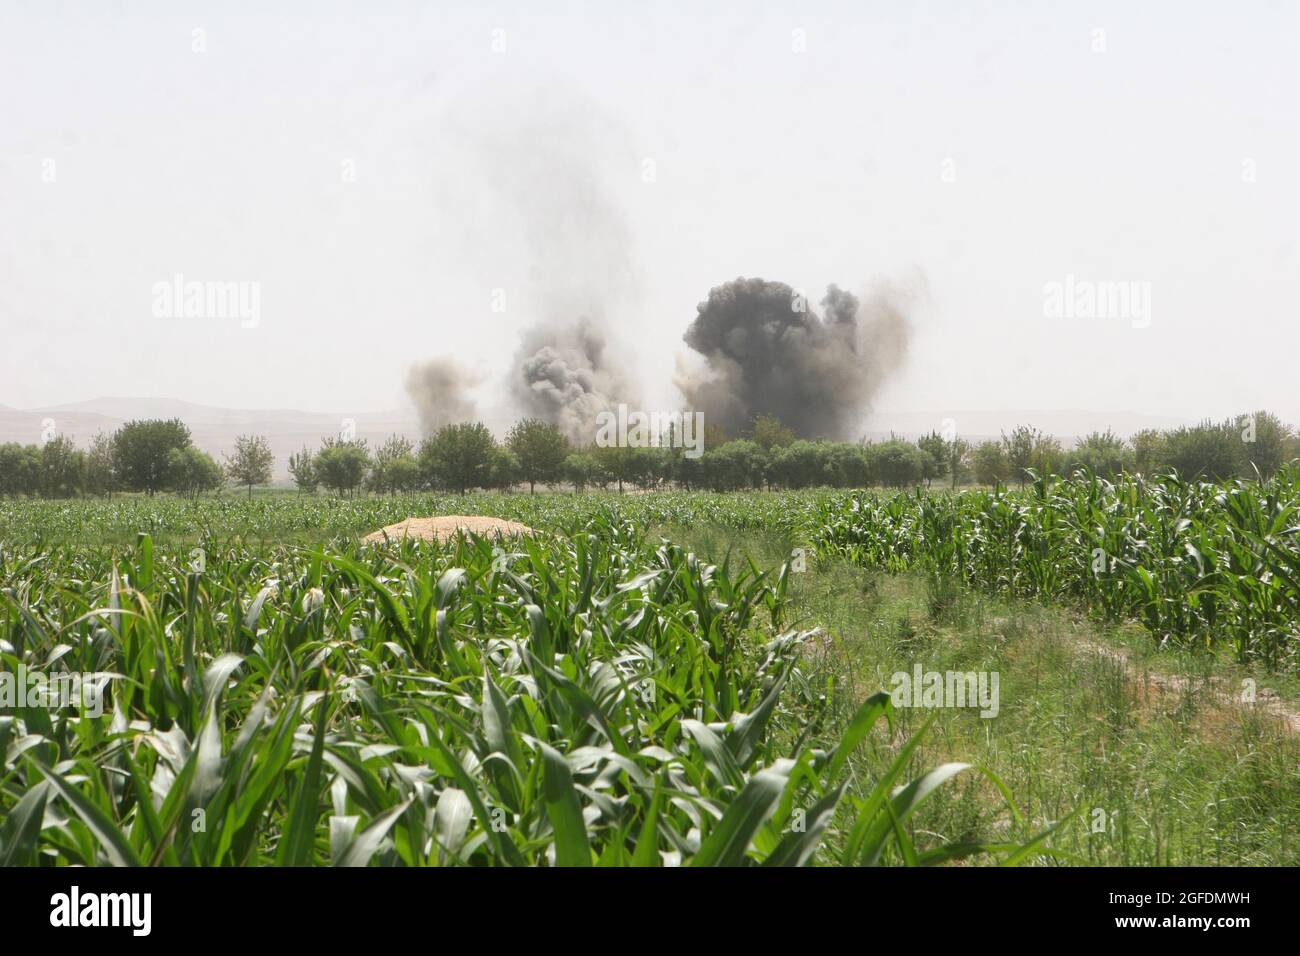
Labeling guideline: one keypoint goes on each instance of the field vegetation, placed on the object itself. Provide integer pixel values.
(678, 678)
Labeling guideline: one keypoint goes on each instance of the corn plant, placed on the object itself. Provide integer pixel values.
(1195, 562)
(593, 696)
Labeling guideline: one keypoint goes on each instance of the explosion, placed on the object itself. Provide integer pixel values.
(768, 353)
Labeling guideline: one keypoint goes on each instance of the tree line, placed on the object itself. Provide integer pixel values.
(150, 456)
(1247, 446)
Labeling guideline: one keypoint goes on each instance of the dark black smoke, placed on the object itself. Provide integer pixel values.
(768, 353)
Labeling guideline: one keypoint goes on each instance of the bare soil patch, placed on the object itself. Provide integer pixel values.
(444, 527)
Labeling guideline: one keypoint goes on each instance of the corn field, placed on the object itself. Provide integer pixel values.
(325, 518)
(1196, 563)
(594, 697)
(274, 693)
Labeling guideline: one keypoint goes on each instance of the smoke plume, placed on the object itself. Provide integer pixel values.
(767, 353)
(547, 227)
(557, 183)
(565, 377)
(439, 390)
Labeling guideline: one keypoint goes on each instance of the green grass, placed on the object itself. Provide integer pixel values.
(1180, 775)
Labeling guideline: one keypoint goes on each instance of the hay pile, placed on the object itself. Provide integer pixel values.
(445, 527)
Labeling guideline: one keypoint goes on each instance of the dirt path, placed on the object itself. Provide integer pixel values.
(1157, 685)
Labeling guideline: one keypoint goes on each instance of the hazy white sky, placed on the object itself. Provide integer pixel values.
(379, 169)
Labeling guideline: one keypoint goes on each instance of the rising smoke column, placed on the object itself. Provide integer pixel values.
(537, 194)
(558, 185)
(439, 388)
(768, 353)
(565, 376)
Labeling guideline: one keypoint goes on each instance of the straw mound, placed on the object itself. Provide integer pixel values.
(444, 527)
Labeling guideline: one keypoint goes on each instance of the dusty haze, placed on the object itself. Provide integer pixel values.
(384, 171)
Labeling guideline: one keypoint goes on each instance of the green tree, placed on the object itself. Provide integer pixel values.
(1105, 454)
(12, 460)
(100, 473)
(804, 464)
(797, 465)
(580, 470)
(686, 469)
(62, 466)
(20, 469)
(959, 451)
(657, 465)
(404, 473)
(251, 463)
(540, 448)
(141, 449)
(616, 464)
(990, 463)
(341, 466)
(1265, 444)
(734, 465)
(302, 466)
(191, 472)
(1148, 450)
(1047, 456)
(898, 463)
(1206, 452)
(714, 435)
(503, 470)
(395, 467)
(844, 465)
(1019, 448)
(768, 432)
(458, 457)
(935, 448)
